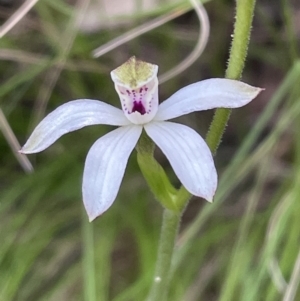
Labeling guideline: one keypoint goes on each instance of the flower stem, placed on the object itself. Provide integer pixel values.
(241, 38)
(171, 219)
(170, 225)
(236, 63)
(89, 284)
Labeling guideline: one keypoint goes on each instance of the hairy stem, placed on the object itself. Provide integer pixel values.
(170, 225)
(236, 63)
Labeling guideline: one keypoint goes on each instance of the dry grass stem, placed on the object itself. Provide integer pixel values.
(53, 75)
(17, 17)
(197, 51)
(189, 60)
(139, 30)
(13, 143)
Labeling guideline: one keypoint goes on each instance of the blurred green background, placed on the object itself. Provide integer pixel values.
(244, 246)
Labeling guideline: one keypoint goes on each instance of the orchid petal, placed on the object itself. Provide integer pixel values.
(69, 117)
(104, 168)
(189, 156)
(205, 95)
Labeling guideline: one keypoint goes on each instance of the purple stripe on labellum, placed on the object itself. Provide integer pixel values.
(138, 107)
(137, 101)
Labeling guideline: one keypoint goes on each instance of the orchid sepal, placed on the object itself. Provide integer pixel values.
(71, 116)
(205, 95)
(104, 168)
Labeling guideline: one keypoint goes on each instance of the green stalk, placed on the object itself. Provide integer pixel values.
(89, 283)
(236, 63)
(170, 225)
(171, 220)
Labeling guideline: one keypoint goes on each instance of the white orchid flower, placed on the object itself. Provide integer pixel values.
(137, 86)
